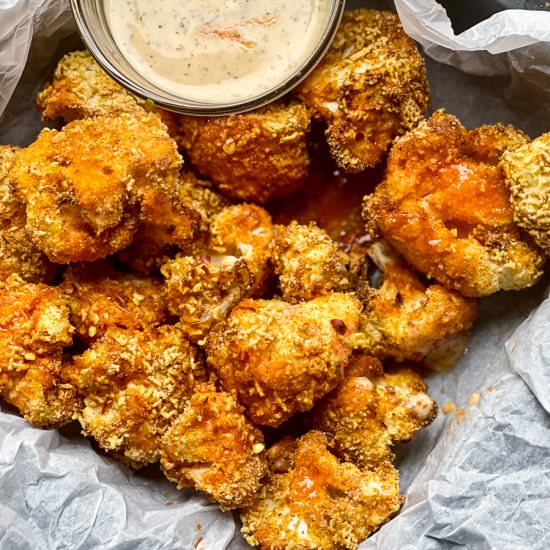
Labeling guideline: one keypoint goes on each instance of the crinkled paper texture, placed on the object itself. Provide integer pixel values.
(474, 479)
(514, 43)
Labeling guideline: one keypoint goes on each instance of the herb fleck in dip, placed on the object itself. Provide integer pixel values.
(217, 50)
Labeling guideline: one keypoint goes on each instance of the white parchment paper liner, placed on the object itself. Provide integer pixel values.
(514, 43)
(475, 479)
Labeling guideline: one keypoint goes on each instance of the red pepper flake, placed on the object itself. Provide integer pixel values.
(205, 269)
(169, 503)
(243, 356)
(338, 325)
(198, 541)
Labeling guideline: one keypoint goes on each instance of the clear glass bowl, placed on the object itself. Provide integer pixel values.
(92, 24)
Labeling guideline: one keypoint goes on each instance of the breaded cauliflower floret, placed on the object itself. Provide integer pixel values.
(100, 297)
(82, 202)
(256, 156)
(134, 384)
(34, 330)
(80, 88)
(445, 206)
(200, 195)
(245, 231)
(192, 201)
(18, 254)
(309, 263)
(369, 88)
(320, 503)
(213, 447)
(403, 402)
(369, 411)
(203, 290)
(527, 171)
(406, 319)
(278, 358)
(235, 263)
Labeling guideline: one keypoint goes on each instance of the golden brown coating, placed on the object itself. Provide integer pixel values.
(245, 231)
(200, 195)
(350, 417)
(366, 414)
(278, 358)
(403, 402)
(164, 216)
(134, 383)
(80, 88)
(10, 206)
(17, 252)
(203, 290)
(234, 264)
(100, 298)
(186, 210)
(369, 88)
(527, 171)
(445, 206)
(166, 224)
(82, 200)
(280, 456)
(34, 329)
(256, 156)
(149, 249)
(407, 319)
(213, 447)
(320, 503)
(309, 263)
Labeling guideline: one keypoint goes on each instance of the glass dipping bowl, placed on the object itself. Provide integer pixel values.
(92, 23)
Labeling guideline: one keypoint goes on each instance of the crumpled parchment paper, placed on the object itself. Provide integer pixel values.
(514, 43)
(477, 478)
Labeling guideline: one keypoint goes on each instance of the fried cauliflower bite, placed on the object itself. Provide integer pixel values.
(370, 410)
(309, 263)
(213, 447)
(245, 231)
(189, 208)
(279, 358)
(201, 291)
(527, 171)
(134, 384)
(320, 503)
(100, 298)
(369, 88)
(403, 402)
(350, 417)
(166, 224)
(80, 88)
(256, 156)
(85, 186)
(203, 288)
(444, 205)
(34, 330)
(408, 320)
(17, 253)
(200, 195)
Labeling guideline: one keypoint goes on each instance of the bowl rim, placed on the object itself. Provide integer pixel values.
(197, 108)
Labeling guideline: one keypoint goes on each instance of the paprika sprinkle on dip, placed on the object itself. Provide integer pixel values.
(218, 50)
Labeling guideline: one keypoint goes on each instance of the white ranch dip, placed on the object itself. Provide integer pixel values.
(217, 50)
